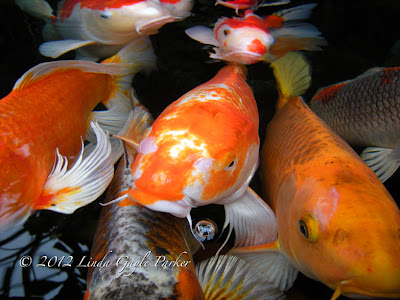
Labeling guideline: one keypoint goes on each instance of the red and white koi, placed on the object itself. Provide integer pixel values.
(252, 39)
(98, 29)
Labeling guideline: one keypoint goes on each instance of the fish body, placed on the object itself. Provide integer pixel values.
(134, 234)
(365, 112)
(99, 29)
(43, 122)
(251, 39)
(145, 253)
(203, 149)
(336, 221)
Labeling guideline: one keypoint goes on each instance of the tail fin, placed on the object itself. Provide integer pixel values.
(293, 76)
(134, 57)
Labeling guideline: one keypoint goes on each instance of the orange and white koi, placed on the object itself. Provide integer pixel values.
(336, 221)
(43, 121)
(96, 29)
(203, 149)
(368, 107)
(149, 254)
(252, 39)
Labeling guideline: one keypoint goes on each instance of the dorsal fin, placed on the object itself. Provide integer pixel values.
(45, 70)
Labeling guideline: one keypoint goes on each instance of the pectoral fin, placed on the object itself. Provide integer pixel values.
(252, 219)
(69, 189)
(268, 261)
(383, 161)
(228, 277)
(202, 34)
(55, 49)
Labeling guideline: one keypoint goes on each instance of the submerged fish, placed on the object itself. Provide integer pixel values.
(96, 29)
(203, 149)
(245, 4)
(252, 39)
(43, 121)
(141, 253)
(336, 221)
(365, 112)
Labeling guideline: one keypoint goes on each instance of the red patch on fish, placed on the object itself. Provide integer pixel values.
(326, 95)
(257, 46)
(68, 6)
(388, 75)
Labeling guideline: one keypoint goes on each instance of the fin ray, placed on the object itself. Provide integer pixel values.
(87, 179)
(252, 219)
(228, 277)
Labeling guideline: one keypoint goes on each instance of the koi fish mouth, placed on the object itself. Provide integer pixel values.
(152, 26)
(245, 57)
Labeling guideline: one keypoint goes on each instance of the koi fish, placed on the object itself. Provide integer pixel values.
(336, 221)
(203, 149)
(252, 39)
(43, 120)
(367, 106)
(150, 254)
(252, 4)
(96, 29)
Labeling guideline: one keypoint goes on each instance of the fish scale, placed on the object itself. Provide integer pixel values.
(364, 111)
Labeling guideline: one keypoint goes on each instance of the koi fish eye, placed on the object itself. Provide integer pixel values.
(227, 31)
(308, 227)
(105, 15)
(230, 162)
(205, 230)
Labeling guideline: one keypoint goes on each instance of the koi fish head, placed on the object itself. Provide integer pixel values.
(243, 40)
(351, 246)
(119, 24)
(195, 155)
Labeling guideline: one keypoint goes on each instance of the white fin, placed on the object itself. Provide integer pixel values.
(252, 219)
(381, 160)
(270, 263)
(55, 49)
(202, 34)
(300, 12)
(136, 56)
(227, 277)
(85, 181)
(36, 8)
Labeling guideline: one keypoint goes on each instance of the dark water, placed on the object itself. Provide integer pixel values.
(360, 35)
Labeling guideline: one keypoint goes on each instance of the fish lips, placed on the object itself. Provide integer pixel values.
(152, 26)
(243, 57)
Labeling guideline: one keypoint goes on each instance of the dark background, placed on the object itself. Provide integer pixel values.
(360, 35)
